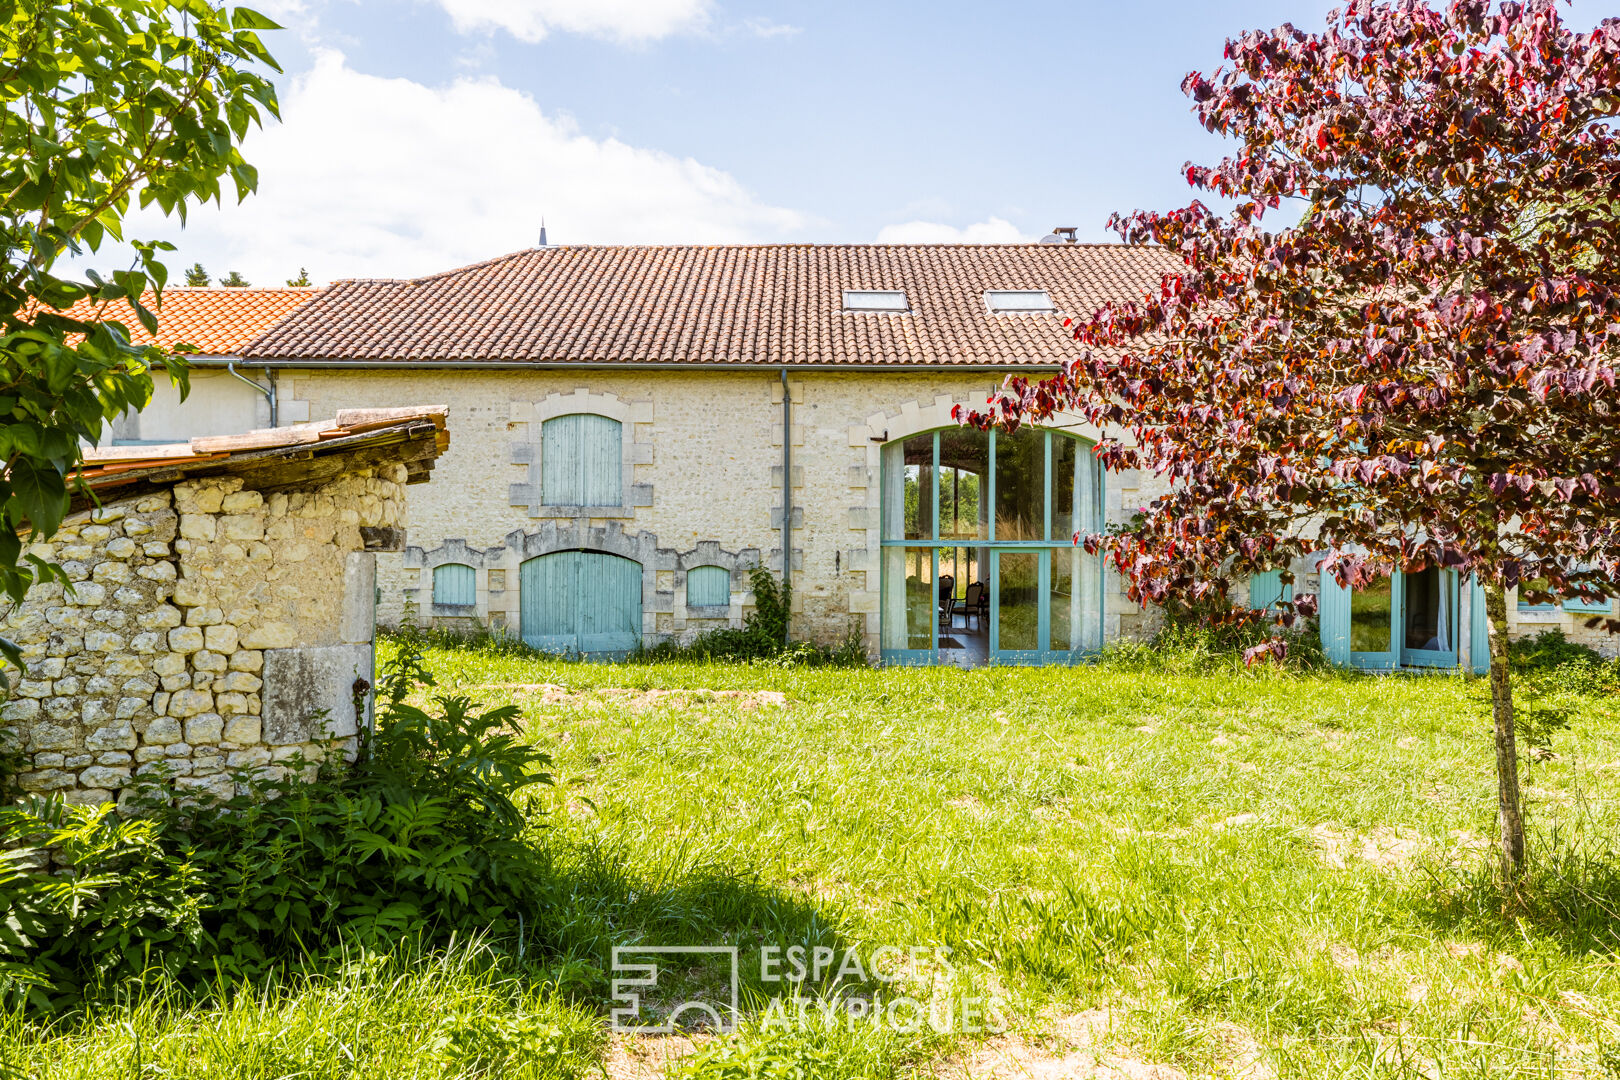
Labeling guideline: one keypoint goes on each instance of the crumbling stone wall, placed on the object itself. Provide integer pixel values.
(207, 629)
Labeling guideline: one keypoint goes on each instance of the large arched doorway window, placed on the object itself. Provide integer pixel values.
(979, 561)
(581, 603)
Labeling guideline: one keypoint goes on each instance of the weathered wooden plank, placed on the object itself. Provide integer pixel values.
(263, 439)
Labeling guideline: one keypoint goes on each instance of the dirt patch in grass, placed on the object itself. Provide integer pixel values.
(641, 700)
(1391, 847)
(1075, 1050)
(645, 1057)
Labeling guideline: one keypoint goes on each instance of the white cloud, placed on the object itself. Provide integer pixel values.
(375, 177)
(765, 28)
(990, 231)
(631, 21)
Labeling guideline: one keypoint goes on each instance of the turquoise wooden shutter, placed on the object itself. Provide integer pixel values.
(549, 602)
(455, 583)
(559, 462)
(708, 586)
(1588, 607)
(582, 461)
(601, 460)
(1479, 629)
(609, 592)
(1334, 617)
(1267, 589)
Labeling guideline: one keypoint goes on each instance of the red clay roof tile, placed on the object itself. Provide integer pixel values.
(219, 322)
(739, 304)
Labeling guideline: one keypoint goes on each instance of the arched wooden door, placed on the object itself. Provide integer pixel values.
(581, 603)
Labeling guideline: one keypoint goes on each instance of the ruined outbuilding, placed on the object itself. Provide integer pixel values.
(221, 614)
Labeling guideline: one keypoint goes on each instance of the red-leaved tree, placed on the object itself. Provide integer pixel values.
(1421, 371)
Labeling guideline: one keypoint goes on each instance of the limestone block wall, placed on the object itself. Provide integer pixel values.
(703, 469)
(208, 628)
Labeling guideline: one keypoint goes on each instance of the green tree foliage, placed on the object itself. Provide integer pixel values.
(103, 106)
(301, 281)
(197, 277)
(235, 280)
(1420, 370)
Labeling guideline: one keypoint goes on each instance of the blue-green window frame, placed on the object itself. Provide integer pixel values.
(708, 586)
(455, 585)
(1267, 590)
(1526, 607)
(1575, 605)
(987, 496)
(582, 461)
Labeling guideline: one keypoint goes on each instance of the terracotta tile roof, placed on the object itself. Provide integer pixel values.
(414, 435)
(219, 322)
(744, 304)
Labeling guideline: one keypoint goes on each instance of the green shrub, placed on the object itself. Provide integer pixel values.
(1199, 641)
(763, 637)
(491, 640)
(1551, 663)
(423, 834)
(119, 897)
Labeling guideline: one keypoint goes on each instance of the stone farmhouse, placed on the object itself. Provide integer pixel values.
(638, 426)
(221, 614)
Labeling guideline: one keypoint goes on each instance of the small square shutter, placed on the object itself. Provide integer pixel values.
(1267, 589)
(455, 583)
(708, 586)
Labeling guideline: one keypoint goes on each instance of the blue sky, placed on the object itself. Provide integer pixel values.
(423, 134)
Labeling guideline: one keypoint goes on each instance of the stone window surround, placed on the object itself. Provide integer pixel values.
(451, 552)
(866, 496)
(502, 607)
(526, 451)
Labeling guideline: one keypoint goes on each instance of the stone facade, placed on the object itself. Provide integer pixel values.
(209, 627)
(1526, 624)
(702, 453)
(703, 483)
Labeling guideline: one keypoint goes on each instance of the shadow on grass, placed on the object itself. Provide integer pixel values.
(1569, 894)
(598, 897)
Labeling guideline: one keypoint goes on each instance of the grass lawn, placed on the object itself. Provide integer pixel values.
(1146, 873)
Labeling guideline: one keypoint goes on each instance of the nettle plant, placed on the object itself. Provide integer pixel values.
(1421, 371)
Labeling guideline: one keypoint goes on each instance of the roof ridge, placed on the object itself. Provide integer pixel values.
(753, 246)
(239, 289)
(707, 303)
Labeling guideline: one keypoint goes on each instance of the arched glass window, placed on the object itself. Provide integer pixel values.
(979, 559)
(708, 586)
(581, 461)
(455, 583)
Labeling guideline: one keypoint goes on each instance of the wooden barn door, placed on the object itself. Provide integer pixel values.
(581, 603)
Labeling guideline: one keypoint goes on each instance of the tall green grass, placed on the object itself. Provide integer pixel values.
(448, 1015)
(1160, 841)
(1288, 867)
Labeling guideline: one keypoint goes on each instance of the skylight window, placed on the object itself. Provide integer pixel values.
(875, 300)
(1016, 300)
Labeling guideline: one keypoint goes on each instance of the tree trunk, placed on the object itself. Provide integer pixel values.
(1509, 818)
